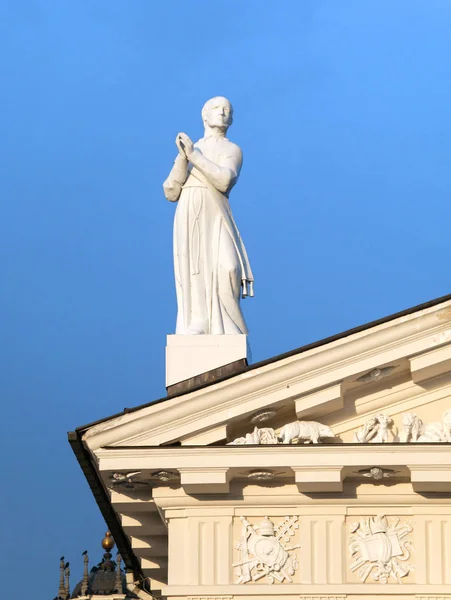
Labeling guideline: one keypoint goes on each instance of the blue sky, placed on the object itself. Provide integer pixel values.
(342, 112)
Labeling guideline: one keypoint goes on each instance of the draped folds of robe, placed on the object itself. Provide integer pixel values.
(210, 261)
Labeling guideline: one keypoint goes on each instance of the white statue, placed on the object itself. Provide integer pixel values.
(306, 431)
(413, 427)
(260, 435)
(291, 433)
(416, 431)
(211, 266)
(375, 429)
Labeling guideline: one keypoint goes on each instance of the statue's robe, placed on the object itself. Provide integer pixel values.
(210, 260)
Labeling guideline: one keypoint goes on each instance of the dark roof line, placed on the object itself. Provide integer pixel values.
(268, 361)
(101, 497)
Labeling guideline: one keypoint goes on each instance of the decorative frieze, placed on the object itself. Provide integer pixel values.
(379, 549)
(291, 433)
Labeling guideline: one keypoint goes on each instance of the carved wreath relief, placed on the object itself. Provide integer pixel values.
(379, 549)
(264, 553)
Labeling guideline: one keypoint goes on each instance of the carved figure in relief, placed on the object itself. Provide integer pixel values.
(413, 427)
(211, 265)
(260, 435)
(375, 429)
(306, 431)
(128, 480)
(380, 548)
(263, 555)
(437, 432)
(417, 431)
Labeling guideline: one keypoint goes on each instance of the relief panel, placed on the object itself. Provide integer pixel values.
(289, 549)
(380, 549)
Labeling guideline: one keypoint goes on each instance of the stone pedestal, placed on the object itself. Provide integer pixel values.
(188, 356)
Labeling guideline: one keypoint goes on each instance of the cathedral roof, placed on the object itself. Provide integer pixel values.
(104, 579)
(210, 405)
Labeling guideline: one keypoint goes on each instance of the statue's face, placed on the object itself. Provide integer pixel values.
(218, 113)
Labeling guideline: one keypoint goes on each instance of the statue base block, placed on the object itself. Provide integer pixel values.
(189, 356)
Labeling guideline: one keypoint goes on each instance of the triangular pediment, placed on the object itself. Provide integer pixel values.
(398, 365)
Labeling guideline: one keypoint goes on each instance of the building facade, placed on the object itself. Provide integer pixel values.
(321, 473)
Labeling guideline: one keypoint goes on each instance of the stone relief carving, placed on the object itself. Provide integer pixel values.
(138, 480)
(412, 427)
(260, 435)
(417, 431)
(305, 431)
(164, 476)
(263, 415)
(263, 551)
(261, 475)
(379, 549)
(377, 473)
(376, 374)
(375, 430)
(128, 480)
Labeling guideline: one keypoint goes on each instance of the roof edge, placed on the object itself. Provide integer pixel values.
(268, 361)
(103, 502)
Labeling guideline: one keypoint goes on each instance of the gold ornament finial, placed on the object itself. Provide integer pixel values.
(108, 542)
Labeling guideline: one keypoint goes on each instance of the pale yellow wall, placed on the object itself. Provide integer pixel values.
(202, 547)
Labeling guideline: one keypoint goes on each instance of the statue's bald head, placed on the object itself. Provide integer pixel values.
(217, 112)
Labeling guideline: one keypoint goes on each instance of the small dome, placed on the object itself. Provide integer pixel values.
(106, 578)
(102, 583)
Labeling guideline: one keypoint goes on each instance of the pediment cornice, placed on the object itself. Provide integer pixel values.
(312, 381)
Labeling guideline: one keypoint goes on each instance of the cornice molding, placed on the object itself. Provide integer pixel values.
(315, 469)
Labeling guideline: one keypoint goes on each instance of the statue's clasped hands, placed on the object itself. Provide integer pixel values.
(185, 145)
